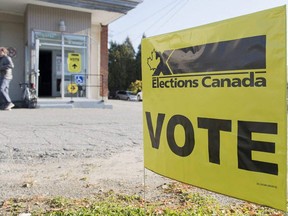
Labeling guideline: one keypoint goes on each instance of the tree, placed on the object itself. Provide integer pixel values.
(116, 77)
(121, 65)
(135, 86)
(128, 55)
(124, 66)
(138, 66)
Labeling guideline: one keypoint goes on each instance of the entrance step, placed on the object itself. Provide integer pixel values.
(58, 103)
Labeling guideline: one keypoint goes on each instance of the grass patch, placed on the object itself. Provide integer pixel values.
(177, 200)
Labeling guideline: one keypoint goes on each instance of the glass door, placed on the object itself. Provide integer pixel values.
(66, 56)
(75, 74)
(75, 65)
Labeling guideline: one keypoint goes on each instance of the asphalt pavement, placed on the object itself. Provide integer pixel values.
(44, 134)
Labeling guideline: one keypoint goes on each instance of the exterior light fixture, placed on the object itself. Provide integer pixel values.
(62, 26)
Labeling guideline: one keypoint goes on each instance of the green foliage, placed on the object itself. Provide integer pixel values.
(138, 62)
(58, 202)
(177, 200)
(124, 65)
(135, 86)
(121, 65)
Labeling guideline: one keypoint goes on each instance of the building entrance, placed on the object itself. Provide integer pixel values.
(45, 74)
(62, 65)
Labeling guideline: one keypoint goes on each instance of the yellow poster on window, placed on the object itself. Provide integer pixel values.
(214, 108)
(74, 62)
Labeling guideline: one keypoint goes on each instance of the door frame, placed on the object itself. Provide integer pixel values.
(61, 44)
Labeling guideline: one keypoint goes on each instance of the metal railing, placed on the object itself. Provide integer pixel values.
(79, 87)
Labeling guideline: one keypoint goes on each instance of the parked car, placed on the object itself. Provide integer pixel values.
(112, 95)
(126, 95)
(139, 96)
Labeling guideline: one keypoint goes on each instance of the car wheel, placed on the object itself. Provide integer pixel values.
(138, 98)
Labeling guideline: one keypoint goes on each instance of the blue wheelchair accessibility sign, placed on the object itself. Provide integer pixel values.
(79, 79)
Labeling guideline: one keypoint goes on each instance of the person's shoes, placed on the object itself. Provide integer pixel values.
(9, 106)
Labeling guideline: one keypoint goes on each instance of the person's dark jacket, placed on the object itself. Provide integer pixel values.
(6, 65)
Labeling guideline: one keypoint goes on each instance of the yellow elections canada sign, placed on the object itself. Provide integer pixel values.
(214, 113)
(74, 62)
(72, 88)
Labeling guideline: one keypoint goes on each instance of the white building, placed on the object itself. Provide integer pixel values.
(60, 45)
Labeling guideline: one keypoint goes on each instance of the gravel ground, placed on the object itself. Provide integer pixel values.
(75, 153)
(72, 152)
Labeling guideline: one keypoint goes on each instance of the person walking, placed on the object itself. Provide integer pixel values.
(6, 65)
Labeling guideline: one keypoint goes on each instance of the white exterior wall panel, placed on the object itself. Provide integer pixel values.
(47, 19)
(12, 35)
